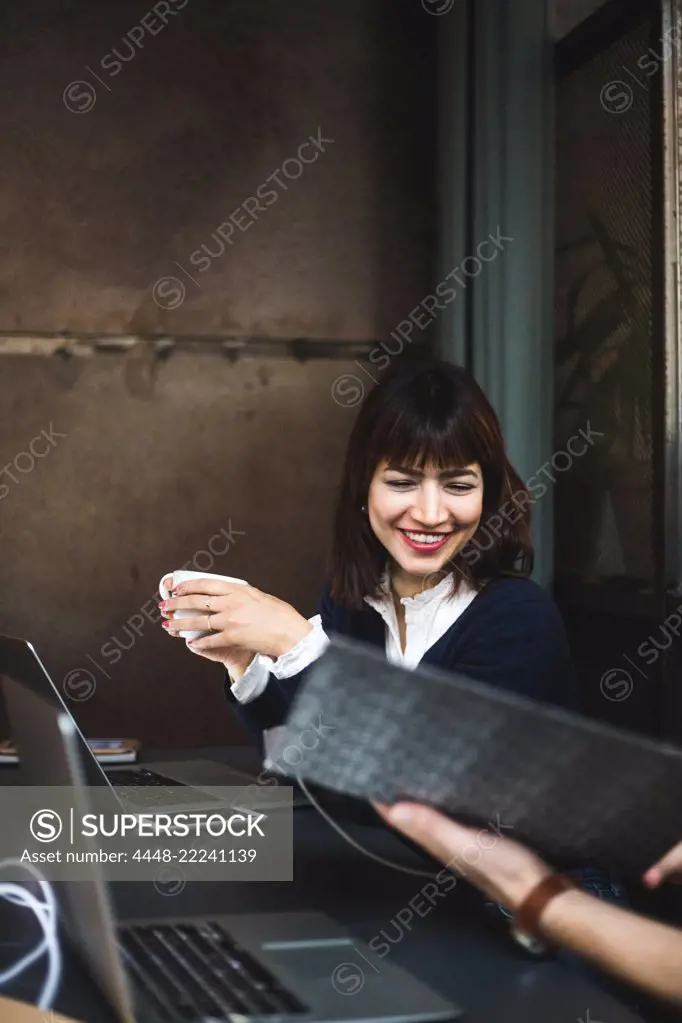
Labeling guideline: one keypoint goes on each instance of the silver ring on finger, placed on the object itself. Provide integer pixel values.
(208, 604)
(210, 619)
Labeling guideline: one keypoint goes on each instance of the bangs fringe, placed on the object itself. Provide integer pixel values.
(444, 445)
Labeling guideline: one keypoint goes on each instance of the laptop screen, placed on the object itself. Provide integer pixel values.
(20, 663)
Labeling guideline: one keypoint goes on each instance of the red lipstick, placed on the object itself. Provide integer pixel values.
(425, 547)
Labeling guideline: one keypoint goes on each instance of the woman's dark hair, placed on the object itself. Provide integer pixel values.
(431, 413)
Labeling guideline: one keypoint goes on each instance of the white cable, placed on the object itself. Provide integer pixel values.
(46, 913)
(356, 845)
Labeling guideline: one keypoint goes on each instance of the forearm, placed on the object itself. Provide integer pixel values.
(250, 674)
(236, 667)
(263, 692)
(642, 952)
(238, 662)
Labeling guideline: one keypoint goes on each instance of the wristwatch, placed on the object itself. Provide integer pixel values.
(525, 928)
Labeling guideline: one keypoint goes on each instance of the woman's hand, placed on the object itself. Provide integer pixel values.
(244, 621)
(668, 868)
(498, 866)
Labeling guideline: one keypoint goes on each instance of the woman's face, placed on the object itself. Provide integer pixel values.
(424, 517)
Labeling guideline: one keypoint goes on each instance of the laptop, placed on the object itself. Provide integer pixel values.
(168, 786)
(278, 967)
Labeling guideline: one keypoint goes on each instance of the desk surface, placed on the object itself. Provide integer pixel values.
(452, 948)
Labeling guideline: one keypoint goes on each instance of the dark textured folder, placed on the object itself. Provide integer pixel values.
(577, 791)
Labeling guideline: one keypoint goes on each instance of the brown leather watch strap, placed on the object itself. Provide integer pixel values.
(527, 916)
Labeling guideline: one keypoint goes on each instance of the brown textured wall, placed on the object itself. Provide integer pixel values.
(97, 205)
(244, 453)
(94, 208)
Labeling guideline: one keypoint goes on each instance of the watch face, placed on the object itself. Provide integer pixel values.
(531, 944)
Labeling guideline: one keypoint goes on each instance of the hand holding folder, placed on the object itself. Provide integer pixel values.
(575, 790)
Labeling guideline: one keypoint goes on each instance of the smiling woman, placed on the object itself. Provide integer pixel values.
(426, 473)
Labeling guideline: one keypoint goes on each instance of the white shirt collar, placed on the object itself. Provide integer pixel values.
(428, 616)
(420, 601)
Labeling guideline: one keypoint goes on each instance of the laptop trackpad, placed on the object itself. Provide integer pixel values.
(309, 960)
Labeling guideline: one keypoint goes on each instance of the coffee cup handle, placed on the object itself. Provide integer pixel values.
(165, 594)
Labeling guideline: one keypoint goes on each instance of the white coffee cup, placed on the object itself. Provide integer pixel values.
(181, 576)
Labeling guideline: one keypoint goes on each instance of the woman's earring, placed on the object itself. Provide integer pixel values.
(364, 509)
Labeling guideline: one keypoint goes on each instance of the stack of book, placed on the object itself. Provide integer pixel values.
(107, 751)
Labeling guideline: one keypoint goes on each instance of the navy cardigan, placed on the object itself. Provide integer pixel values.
(511, 635)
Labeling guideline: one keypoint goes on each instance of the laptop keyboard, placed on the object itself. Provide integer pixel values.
(189, 971)
(139, 776)
(157, 789)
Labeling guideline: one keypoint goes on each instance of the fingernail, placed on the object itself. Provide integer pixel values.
(174, 593)
(162, 605)
(166, 625)
(401, 813)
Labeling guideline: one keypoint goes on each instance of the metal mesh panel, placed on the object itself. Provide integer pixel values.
(604, 312)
